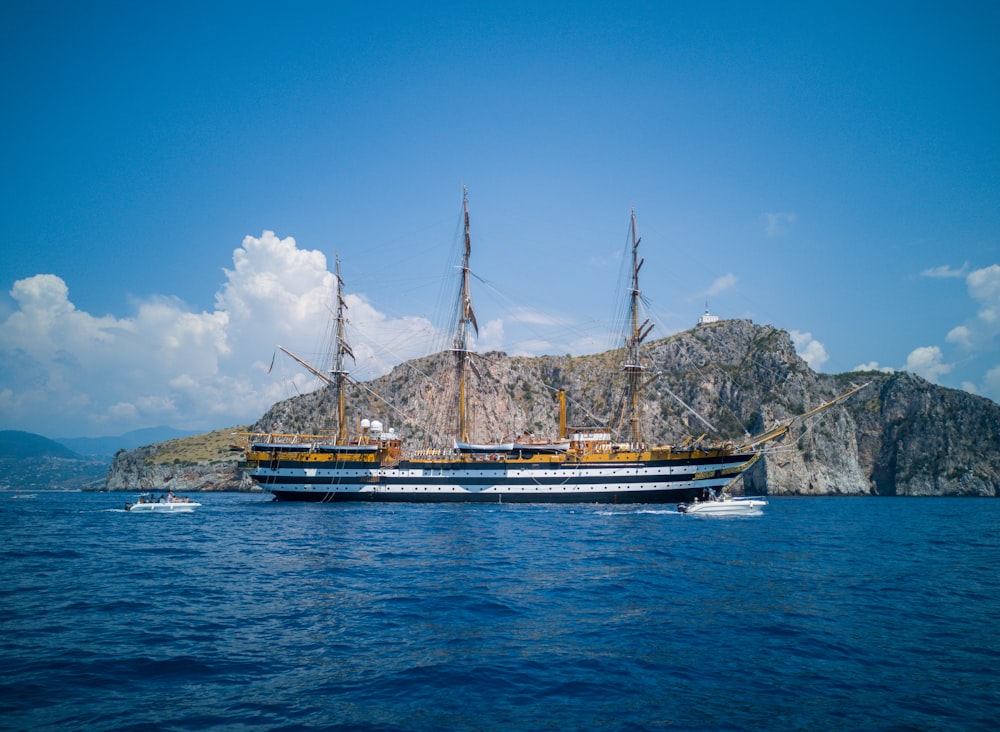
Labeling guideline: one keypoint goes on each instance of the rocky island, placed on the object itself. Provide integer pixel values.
(900, 436)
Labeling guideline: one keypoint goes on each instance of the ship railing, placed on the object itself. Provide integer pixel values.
(312, 441)
(431, 453)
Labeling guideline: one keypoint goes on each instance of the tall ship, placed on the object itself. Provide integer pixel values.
(605, 464)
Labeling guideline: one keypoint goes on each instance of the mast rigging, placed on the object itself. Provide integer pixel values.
(341, 349)
(638, 332)
(466, 321)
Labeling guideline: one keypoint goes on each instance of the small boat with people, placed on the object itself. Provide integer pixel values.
(723, 504)
(164, 503)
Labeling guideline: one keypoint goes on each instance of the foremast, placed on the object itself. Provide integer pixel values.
(336, 375)
(466, 323)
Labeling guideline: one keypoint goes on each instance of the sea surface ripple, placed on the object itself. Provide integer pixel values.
(822, 613)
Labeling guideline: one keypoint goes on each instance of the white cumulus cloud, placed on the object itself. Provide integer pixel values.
(978, 333)
(721, 284)
(74, 371)
(944, 271)
(69, 373)
(976, 336)
(874, 366)
(960, 335)
(928, 362)
(809, 349)
(984, 286)
(491, 336)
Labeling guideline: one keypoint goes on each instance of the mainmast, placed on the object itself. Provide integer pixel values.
(341, 349)
(466, 320)
(637, 334)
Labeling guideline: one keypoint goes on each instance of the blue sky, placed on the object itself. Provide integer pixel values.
(178, 175)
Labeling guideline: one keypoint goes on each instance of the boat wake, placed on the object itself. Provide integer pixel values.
(639, 511)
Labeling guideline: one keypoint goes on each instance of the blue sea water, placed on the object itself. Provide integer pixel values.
(822, 613)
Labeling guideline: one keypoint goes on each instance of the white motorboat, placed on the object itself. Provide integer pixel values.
(166, 503)
(724, 505)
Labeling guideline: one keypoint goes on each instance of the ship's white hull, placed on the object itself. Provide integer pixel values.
(663, 482)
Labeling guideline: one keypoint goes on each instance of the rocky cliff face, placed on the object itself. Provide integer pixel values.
(131, 471)
(900, 436)
(923, 440)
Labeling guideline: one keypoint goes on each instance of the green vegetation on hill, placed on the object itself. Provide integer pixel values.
(208, 447)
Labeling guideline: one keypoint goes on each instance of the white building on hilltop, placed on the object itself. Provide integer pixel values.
(708, 317)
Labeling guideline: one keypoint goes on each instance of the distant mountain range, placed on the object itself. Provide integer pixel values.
(17, 444)
(106, 447)
(28, 460)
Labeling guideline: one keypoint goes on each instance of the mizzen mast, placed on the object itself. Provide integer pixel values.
(466, 322)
